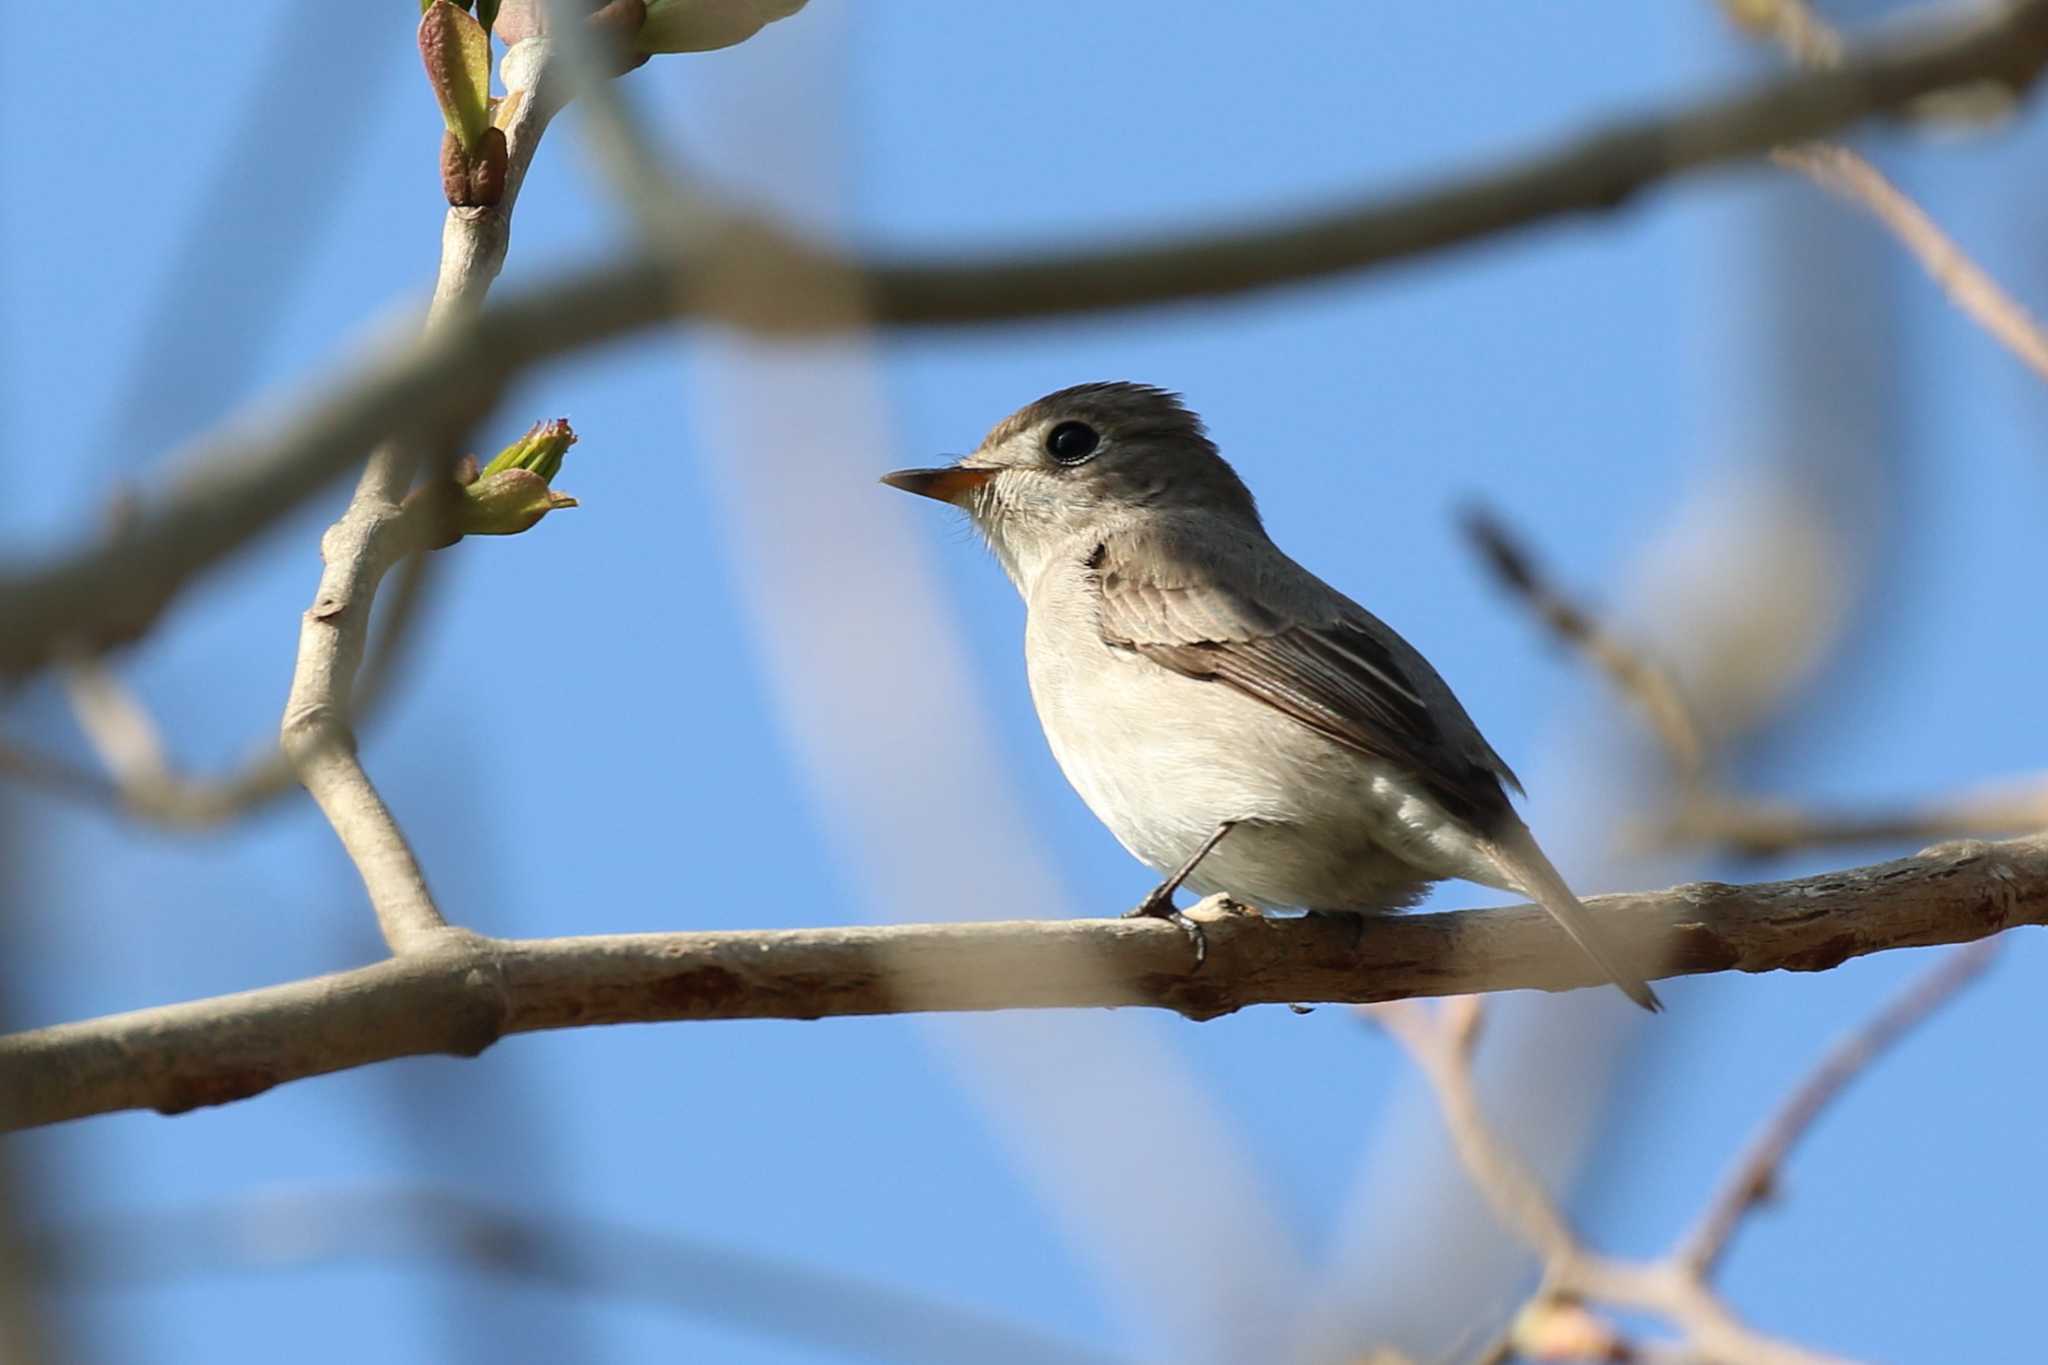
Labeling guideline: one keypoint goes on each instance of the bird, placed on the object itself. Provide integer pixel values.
(1240, 726)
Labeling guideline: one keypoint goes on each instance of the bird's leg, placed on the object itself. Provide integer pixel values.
(1158, 904)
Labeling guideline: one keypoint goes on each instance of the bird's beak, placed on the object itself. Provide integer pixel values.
(948, 484)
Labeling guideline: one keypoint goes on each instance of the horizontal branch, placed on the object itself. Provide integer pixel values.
(277, 1229)
(753, 274)
(462, 992)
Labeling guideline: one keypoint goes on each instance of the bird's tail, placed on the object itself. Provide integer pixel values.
(1523, 863)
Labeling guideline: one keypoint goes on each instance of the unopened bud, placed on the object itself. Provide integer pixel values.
(456, 50)
(506, 503)
(474, 180)
(506, 496)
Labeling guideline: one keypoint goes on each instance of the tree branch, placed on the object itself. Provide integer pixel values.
(1702, 812)
(1639, 677)
(1440, 1043)
(1811, 42)
(1968, 285)
(1558, 1323)
(111, 591)
(277, 1229)
(378, 529)
(144, 785)
(1756, 1175)
(461, 992)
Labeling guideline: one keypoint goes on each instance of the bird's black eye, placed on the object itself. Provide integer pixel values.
(1071, 442)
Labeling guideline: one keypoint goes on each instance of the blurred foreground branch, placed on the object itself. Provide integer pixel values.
(555, 1248)
(459, 992)
(235, 485)
(142, 782)
(1559, 1321)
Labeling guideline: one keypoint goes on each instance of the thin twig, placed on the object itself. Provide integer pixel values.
(1968, 286)
(1793, 25)
(377, 530)
(464, 992)
(1557, 1323)
(1641, 678)
(1812, 43)
(165, 797)
(1432, 1038)
(1702, 813)
(118, 728)
(57, 776)
(1755, 1175)
(1760, 828)
(111, 591)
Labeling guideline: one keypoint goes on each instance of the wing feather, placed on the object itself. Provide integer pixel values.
(1236, 611)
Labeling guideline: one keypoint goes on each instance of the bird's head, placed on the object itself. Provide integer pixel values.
(1080, 461)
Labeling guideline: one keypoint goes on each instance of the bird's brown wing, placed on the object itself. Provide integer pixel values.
(1232, 609)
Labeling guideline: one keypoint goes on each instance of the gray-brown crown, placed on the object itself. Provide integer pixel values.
(1157, 452)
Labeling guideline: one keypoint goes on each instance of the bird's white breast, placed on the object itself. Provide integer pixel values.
(1162, 759)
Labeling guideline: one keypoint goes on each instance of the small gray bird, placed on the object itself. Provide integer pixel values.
(1240, 725)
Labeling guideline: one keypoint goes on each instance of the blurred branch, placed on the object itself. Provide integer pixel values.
(1968, 287)
(461, 992)
(1793, 25)
(1441, 1042)
(1760, 828)
(157, 793)
(1558, 1321)
(1702, 813)
(1755, 1176)
(111, 591)
(1812, 43)
(1641, 679)
(556, 1248)
(57, 776)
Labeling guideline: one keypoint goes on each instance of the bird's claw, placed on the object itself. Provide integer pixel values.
(1157, 906)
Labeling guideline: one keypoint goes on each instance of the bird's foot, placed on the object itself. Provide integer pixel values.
(1159, 905)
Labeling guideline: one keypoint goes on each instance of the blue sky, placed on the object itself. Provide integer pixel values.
(603, 731)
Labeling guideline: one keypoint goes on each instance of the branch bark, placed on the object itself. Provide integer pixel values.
(377, 530)
(461, 992)
(111, 591)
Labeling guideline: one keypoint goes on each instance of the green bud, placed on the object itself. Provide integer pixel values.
(506, 503)
(541, 450)
(506, 496)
